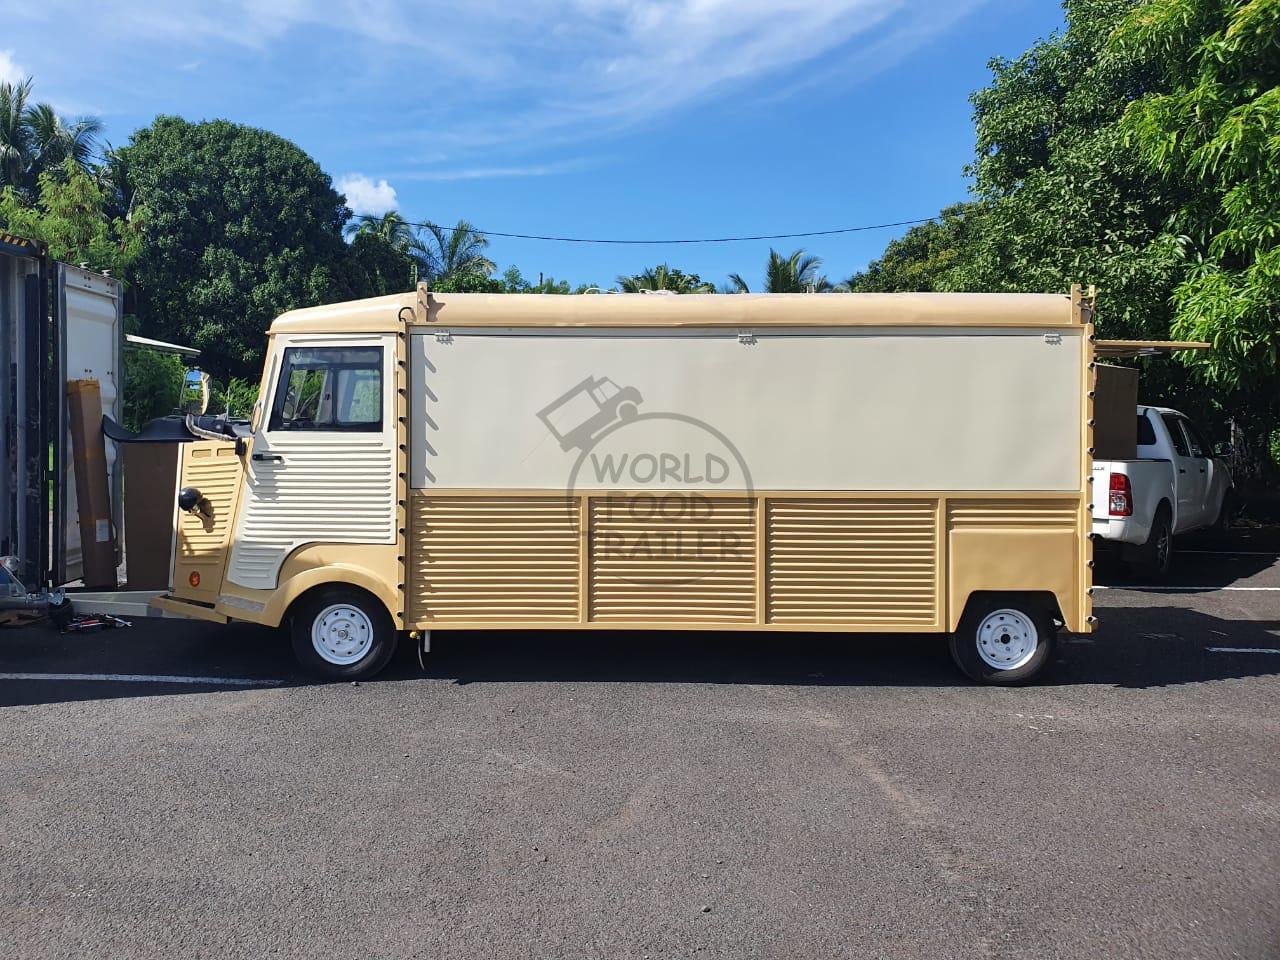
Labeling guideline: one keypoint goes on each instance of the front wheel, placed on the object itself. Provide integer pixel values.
(1003, 640)
(342, 633)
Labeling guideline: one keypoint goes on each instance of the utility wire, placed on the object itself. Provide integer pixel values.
(769, 236)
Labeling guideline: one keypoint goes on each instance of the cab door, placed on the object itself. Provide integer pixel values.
(321, 467)
(1209, 476)
(1189, 476)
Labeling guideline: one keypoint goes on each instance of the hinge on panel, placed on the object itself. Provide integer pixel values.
(1053, 336)
(444, 336)
(746, 336)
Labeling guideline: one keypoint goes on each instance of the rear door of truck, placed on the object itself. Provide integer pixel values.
(90, 345)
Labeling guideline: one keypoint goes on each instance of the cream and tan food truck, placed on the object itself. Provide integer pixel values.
(854, 463)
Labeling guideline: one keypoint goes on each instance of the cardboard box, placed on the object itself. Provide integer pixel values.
(93, 494)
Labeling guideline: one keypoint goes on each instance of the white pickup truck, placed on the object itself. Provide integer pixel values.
(1174, 486)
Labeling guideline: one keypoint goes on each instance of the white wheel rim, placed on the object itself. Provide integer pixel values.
(341, 634)
(1007, 639)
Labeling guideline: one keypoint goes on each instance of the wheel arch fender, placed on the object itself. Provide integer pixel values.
(301, 584)
(1046, 600)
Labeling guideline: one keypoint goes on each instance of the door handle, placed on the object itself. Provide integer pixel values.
(268, 456)
(1202, 469)
(1180, 469)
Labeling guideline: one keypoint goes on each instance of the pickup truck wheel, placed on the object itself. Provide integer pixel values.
(342, 633)
(1003, 640)
(1226, 512)
(1157, 553)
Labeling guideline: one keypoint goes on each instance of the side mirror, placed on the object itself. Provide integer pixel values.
(191, 500)
(195, 392)
(1222, 450)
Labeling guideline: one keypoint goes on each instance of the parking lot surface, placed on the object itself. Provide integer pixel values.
(654, 795)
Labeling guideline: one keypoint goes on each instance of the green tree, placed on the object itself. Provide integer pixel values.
(924, 258)
(69, 214)
(1211, 134)
(795, 273)
(35, 140)
(386, 265)
(242, 226)
(449, 251)
(468, 283)
(152, 385)
(664, 277)
(1065, 200)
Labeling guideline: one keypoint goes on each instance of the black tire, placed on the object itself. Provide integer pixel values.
(353, 628)
(1155, 557)
(979, 634)
(1221, 528)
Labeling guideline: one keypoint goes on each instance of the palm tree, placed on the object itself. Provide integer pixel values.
(55, 140)
(664, 277)
(391, 227)
(797, 273)
(15, 135)
(450, 251)
(34, 139)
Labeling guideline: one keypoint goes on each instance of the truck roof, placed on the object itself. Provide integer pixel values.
(381, 314)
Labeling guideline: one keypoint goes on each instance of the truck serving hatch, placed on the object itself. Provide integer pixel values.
(1129, 349)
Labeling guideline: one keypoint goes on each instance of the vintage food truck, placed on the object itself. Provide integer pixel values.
(858, 463)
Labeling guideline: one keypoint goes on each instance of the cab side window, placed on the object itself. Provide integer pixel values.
(1175, 434)
(329, 388)
(1196, 440)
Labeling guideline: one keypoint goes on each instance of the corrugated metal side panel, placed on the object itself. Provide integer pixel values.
(493, 559)
(852, 561)
(214, 469)
(338, 492)
(696, 562)
(1026, 514)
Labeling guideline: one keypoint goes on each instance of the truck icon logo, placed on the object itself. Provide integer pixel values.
(587, 408)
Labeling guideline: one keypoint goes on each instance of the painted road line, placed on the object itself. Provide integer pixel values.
(1163, 589)
(1235, 553)
(143, 678)
(1244, 649)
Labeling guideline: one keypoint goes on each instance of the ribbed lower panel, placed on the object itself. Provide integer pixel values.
(673, 557)
(1025, 514)
(852, 561)
(493, 559)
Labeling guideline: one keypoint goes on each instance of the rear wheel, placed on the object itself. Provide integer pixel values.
(1156, 555)
(1003, 640)
(342, 633)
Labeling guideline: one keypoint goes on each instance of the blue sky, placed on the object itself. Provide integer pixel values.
(591, 118)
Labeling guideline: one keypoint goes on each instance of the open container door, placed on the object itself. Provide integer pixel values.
(90, 346)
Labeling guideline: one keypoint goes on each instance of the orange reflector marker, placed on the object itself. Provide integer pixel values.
(194, 579)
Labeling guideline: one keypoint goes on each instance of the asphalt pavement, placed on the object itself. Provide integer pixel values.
(654, 795)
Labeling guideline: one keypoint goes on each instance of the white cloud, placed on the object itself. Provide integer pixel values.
(10, 72)
(365, 196)
(493, 73)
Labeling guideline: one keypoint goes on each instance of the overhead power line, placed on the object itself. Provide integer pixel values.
(766, 236)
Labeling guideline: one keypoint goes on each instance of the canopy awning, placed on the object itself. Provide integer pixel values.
(1127, 349)
(146, 343)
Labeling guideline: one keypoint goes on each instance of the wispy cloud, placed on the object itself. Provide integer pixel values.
(365, 196)
(495, 172)
(10, 72)
(499, 73)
